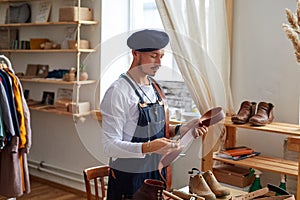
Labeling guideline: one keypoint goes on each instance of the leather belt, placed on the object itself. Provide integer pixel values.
(209, 118)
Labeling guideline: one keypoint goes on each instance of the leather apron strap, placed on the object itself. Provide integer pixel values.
(167, 133)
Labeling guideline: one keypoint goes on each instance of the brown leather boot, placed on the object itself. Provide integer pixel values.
(264, 114)
(214, 185)
(198, 186)
(246, 111)
(151, 189)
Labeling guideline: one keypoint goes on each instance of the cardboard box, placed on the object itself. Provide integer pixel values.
(80, 108)
(71, 14)
(84, 44)
(35, 43)
(233, 175)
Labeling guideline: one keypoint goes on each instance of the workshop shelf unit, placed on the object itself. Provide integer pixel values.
(77, 24)
(272, 164)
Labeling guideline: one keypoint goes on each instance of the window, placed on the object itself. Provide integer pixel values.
(140, 14)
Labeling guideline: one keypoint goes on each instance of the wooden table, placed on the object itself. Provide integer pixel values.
(233, 192)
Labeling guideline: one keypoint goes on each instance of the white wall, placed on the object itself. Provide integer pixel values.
(264, 69)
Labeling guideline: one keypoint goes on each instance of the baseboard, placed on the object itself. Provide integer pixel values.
(59, 186)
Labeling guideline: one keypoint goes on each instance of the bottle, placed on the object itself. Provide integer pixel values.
(282, 184)
(256, 185)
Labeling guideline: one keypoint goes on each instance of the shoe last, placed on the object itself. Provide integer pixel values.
(198, 186)
(246, 111)
(214, 185)
(264, 114)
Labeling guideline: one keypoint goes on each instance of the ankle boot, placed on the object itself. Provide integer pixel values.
(198, 186)
(150, 190)
(246, 111)
(214, 185)
(264, 114)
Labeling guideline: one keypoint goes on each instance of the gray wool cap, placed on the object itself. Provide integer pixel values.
(148, 40)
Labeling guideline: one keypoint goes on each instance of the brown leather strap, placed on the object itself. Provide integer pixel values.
(282, 197)
(167, 133)
(251, 195)
(162, 95)
(170, 196)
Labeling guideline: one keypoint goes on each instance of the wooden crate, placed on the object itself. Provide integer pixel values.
(233, 175)
(71, 14)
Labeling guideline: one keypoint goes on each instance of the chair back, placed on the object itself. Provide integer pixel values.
(95, 175)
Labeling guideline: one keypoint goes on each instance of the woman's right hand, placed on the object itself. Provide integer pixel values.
(160, 146)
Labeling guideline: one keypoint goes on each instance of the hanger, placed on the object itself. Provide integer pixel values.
(5, 62)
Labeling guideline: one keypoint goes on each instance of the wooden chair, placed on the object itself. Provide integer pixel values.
(95, 174)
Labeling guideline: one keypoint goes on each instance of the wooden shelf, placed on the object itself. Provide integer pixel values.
(96, 115)
(52, 109)
(47, 50)
(49, 23)
(16, 0)
(274, 127)
(233, 192)
(57, 81)
(276, 165)
(271, 164)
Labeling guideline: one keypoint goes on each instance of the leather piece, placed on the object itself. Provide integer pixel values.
(171, 196)
(259, 194)
(186, 196)
(247, 110)
(264, 114)
(209, 118)
(214, 185)
(283, 197)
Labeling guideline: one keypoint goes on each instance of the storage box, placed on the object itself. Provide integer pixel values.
(35, 43)
(233, 175)
(62, 104)
(71, 14)
(84, 44)
(80, 108)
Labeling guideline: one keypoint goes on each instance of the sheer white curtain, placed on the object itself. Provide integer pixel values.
(200, 43)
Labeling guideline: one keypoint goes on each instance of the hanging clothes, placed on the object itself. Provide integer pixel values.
(15, 116)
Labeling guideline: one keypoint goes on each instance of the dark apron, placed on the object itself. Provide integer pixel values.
(128, 174)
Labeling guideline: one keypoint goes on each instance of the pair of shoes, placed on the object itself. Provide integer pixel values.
(206, 185)
(264, 113)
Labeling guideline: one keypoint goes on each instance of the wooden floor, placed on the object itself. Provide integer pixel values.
(45, 190)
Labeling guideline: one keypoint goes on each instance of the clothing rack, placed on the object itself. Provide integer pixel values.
(16, 136)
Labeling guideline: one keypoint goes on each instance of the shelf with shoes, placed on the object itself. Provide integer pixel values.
(271, 164)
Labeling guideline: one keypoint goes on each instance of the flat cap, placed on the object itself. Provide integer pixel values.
(148, 40)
